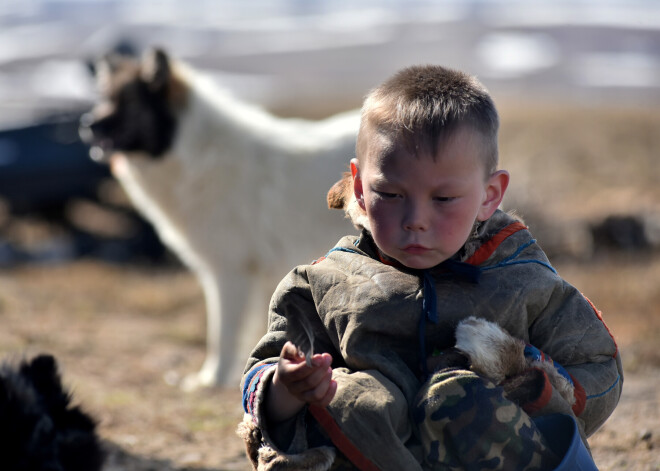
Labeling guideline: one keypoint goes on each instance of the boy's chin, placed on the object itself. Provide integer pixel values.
(419, 262)
(420, 266)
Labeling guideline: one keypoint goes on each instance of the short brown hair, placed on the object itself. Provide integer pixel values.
(421, 105)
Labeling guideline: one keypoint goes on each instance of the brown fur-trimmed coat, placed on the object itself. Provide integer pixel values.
(366, 314)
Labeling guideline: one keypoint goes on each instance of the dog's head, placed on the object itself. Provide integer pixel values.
(341, 196)
(136, 110)
(39, 428)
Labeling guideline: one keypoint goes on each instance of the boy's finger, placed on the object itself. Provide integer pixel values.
(306, 378)
(322, 359)
(310, 387)
(291, 353)
(318, 392)
(288, 350)
(329, 394)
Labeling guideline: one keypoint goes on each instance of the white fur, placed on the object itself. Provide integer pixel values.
(241, 198)
(497, 355)
(492, 351)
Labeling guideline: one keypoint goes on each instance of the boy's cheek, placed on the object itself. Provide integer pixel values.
(380, 227)
(377, 210)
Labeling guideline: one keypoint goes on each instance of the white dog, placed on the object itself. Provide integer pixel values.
(237, 193)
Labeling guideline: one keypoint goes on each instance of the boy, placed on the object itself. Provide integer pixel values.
(387, 388)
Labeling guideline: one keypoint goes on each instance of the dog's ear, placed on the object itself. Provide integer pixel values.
(44, 375)
(155, 69)
(123, 50)
(340, 192)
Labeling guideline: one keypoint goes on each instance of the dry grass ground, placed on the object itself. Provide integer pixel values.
(124, 334)
(119, 336)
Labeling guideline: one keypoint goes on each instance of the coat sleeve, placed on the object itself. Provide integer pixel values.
(572, 332)
(292, 297)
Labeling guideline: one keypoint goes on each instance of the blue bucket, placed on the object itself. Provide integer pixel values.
(561, 433)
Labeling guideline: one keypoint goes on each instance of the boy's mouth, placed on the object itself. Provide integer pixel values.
(415, 249)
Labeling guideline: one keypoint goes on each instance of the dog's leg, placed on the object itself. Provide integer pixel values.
(226, 301)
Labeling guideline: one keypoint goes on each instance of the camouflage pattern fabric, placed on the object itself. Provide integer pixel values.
(465, 423)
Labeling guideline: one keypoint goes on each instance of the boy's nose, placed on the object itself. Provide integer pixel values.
(415, 219)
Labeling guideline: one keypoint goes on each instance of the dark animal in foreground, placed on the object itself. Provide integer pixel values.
(39, 428)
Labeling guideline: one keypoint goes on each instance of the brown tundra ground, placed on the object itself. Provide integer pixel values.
(123, 335)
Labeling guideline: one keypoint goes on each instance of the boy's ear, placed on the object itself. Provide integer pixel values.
(357, 183)
(496, 186)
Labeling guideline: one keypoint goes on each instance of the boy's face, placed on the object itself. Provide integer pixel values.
(422, 209)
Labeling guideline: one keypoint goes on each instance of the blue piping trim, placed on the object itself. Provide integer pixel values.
(430, 303)
(618, 378)
(520, 249)
(341, 249)
(521, 262)
(537, 355)
(430, 313)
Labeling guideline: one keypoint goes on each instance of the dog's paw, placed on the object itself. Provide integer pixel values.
(196, 381)
(492, 351)
(211, 376)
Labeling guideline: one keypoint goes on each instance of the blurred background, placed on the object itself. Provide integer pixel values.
(313, 58)
(577, 83)
(300, 58)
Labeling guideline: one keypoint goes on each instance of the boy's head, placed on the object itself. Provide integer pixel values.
(426, 167)
(420, 107)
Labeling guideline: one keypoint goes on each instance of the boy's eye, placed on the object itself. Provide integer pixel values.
(444, 199)
(386, 195)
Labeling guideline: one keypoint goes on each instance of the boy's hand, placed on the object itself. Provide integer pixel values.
(296, 384)
(309, 384)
